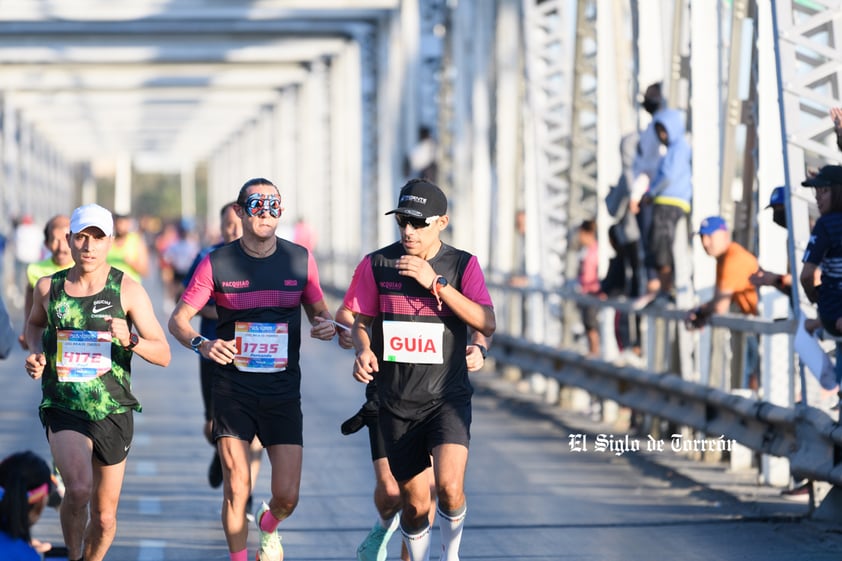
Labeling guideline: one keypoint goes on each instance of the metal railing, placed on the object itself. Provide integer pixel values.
(806, 436)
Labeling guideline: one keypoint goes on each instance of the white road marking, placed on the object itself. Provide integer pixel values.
(149, 505)
(151, 550)
(145, 468)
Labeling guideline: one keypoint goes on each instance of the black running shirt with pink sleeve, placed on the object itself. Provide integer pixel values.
(420, 349)
(258, 301)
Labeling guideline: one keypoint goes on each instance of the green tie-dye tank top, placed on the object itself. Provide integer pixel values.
(107, 393)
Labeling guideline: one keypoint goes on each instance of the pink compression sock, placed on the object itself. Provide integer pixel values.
(268, 522)
(239, 555)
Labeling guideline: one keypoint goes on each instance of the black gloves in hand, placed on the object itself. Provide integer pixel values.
(366, 416)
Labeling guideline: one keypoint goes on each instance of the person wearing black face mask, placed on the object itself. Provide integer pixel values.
(765, 278)
(652, 103)
(649, 146)
(801, 489)
(644, 169)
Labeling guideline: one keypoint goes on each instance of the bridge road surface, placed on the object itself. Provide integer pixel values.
(529, 497)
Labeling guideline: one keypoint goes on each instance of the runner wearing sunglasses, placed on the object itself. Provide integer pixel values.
(416, 301)
(256, 204)
(259, 284)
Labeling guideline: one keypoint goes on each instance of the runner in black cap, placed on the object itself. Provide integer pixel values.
(417, 300)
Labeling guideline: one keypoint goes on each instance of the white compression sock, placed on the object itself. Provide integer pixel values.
(418, 545)
(392, 524)
(451, 532)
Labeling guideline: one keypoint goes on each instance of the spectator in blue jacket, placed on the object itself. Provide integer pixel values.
(671, 194)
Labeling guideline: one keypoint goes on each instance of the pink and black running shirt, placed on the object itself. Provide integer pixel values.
(411, 391)
(265, 290)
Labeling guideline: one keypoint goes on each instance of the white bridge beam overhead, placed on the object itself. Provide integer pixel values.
(166, 82)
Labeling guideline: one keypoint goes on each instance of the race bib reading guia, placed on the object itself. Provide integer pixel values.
(261, 347)
(82, 355)
(413, 342)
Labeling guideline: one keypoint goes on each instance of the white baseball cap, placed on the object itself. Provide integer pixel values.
(92, 215)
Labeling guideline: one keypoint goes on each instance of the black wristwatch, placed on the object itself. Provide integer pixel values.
(482, 350)
(196, 344)
(133, 341)
(441, 281)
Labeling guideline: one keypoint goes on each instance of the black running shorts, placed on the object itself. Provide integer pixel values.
(409, 443)
(111, 437)
(273, 420)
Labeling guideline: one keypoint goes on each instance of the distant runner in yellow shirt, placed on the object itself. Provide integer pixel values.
(128, 250)
(55, 240)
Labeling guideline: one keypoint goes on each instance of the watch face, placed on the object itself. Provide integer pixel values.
(442, 281)
(196, 341)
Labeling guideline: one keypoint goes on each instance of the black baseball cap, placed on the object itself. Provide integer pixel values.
(421, 199)
(828, 176)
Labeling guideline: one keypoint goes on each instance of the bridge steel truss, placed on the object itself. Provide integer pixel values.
(808, 45)
(547, 151)
(35, 178)
(529, 99)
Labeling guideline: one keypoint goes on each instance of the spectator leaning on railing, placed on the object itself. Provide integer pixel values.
(734, 267)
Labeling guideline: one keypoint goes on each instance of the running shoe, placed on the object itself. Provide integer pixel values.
(270, 542)
(56, 489)
(799, 493)
(374, 545)
(215, 471)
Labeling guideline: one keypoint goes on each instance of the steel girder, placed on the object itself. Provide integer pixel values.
(807, 39)
(582, 173)
(548, 74)
(808, 46)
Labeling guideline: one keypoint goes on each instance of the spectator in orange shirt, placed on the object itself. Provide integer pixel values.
(735, 266)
